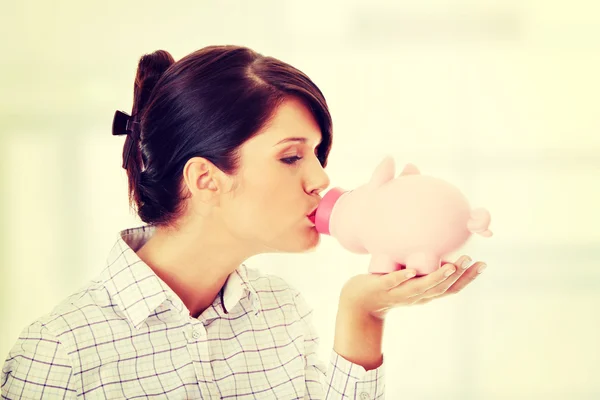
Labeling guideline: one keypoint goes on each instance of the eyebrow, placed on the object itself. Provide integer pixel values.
(292, 139)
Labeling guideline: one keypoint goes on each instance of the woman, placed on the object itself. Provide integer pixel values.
(225, 154)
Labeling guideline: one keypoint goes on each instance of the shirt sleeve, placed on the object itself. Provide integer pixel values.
(340, 379)
(37, 367)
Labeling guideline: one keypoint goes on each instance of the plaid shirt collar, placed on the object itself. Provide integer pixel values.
(138, 291)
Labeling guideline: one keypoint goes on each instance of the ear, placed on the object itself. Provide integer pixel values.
(410, 169)
(383, 173)
(200, 177)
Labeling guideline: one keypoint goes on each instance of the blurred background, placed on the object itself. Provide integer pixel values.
(500, 98)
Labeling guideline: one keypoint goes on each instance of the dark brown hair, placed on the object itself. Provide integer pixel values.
(205, 105)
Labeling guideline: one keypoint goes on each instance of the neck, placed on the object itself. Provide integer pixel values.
(194, 261)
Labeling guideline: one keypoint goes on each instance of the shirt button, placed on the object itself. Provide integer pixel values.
(195, 334)
(365, 396)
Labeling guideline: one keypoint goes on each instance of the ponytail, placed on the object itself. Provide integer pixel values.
(151, 67)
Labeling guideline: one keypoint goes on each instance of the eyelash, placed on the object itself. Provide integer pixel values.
(291, 160)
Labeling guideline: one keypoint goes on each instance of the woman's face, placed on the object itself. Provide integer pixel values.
(278, 184)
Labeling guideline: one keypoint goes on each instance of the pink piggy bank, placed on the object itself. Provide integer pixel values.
(412, 220)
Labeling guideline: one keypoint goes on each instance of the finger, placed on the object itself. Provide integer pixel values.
(395, 278)
(423, 300)
(418, 286)
(463, 261)
(467, 277)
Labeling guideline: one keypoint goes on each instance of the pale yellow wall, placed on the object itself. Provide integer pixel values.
(501, 98)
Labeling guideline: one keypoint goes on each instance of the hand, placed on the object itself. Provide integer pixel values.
(377, 294)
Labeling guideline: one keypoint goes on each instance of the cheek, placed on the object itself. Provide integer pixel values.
(268, 216)
(264, 202)
(272, 196)
(252, 211)
(271, 209)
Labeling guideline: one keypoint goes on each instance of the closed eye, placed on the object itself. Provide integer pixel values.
(291, 160)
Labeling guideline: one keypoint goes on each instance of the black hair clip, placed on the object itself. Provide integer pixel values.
(123, 124)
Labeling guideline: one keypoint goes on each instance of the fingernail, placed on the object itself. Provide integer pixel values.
(449, 271)
(466, 263)
(481, 268)
(410, 274)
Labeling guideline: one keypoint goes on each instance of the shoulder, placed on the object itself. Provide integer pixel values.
(37, 365)
(90, 305)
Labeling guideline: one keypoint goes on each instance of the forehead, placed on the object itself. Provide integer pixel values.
(292, 120)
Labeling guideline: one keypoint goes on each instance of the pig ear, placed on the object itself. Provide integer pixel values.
(410, 169)
(384, 172)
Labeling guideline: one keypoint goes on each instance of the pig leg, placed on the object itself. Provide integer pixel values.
(423, 263)
(382, 264)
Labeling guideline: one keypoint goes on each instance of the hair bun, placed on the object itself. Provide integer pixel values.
(151, 68)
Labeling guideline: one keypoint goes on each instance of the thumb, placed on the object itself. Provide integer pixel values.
(395, 278)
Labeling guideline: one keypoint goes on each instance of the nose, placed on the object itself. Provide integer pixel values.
(318, 180)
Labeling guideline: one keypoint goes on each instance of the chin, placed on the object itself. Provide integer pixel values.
(311, 240)
(305, 241)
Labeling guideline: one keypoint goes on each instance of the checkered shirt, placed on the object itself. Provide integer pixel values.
(127, 335)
